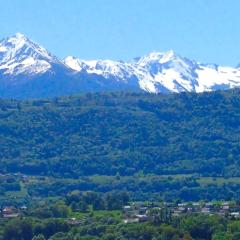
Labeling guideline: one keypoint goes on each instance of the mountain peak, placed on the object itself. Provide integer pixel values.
(74, 63)
(157, 54)
(17, 40)
(171, 54)
(20, 36)
(19, 54)
(158, 57)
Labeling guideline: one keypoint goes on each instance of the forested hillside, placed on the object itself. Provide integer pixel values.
(122, 134)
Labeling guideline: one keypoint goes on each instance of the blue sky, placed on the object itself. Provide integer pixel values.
(204, 30)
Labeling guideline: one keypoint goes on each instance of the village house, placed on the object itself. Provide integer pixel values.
(235, 215)
(74, 221)
(10, 212)
(206, 210)
(135, 213)
(23, 208)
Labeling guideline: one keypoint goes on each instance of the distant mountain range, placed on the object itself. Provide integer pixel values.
(27, 70)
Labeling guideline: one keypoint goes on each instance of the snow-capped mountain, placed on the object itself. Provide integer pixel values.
(107, 68)
(163, 72)
(27, 70)
(20, 55)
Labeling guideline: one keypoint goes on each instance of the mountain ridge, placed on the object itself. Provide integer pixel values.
(125, 133)
(169, 70)
(27, 70)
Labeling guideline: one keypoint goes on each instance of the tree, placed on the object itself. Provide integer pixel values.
(61, 236)
(222, 236)
(39, 237)
(18, 230)
(60, 210)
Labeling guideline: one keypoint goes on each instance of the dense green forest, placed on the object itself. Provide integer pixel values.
(122, 133)
(109, 228)
(158, 147)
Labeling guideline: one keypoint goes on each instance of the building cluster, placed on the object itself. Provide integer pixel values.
(221, 209)
(13, 177)
(138, 212)
(12, 211)
(135, 213)
(75, 221)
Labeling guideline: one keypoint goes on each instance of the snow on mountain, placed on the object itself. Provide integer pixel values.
(106, 68)
(20, 55)
(22, 60)
(163, 72)
(219, 78)
(166, 70)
